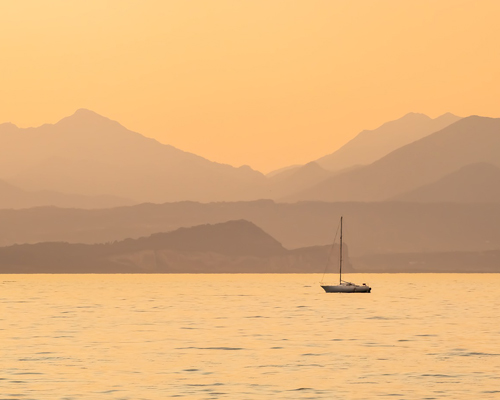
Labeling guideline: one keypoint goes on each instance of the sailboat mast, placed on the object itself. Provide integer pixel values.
(340, 250)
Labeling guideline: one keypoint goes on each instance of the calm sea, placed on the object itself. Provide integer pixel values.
(428, 336)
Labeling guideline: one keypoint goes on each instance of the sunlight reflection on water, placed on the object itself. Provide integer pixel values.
(425, 336)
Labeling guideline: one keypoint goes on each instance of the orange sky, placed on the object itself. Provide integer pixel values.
(266, 83)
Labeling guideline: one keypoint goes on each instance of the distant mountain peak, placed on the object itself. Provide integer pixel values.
(402, 122)
(476, 122)
(8, 126)
(312, 166)
(236, 237)
(477, 117)
(85, 111)
(88, 154)
(371, 145)
(414, 115)
(448, 114)
(447, 118)
(84, 117)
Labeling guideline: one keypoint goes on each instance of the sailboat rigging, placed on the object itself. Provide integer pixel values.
(344, 286)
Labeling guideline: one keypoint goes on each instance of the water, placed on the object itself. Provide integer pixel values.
(426, 336)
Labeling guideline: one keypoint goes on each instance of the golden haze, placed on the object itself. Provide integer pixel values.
(264, 83)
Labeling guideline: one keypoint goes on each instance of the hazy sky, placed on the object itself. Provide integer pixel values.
(266, 83)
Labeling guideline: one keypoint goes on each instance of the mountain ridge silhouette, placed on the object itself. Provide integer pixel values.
(94, 155)
(469, 140)
(12, 197)
(473, 183)
(230, 247)
(371, 145)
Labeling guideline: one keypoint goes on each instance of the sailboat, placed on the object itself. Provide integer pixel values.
(344, 286)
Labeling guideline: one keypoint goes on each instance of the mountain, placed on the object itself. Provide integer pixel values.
(234, 246)
(474, 183)
(91, 155)
(13, 197)
(470, 140)
(231, 247)
(291, 180)
(283, 169)
(370, 228)
(371, 145)
(234, 238)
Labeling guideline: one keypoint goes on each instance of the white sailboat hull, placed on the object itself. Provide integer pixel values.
(346, 288)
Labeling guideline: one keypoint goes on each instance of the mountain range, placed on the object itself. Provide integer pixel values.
(13, 197)
(417, 194)
(468, 141)
(230, 247)
(89, 155)
(371, 145)
(370, 228)
(474, 183)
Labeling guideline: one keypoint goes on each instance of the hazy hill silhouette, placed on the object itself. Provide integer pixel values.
(13, 197)
(474, 183)
(236, 238)
(92, 155)
(234, 246)
(293, 179)
(88, 154)
(371, 145)
(470, 140)
(282, 169)
(380, 227)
